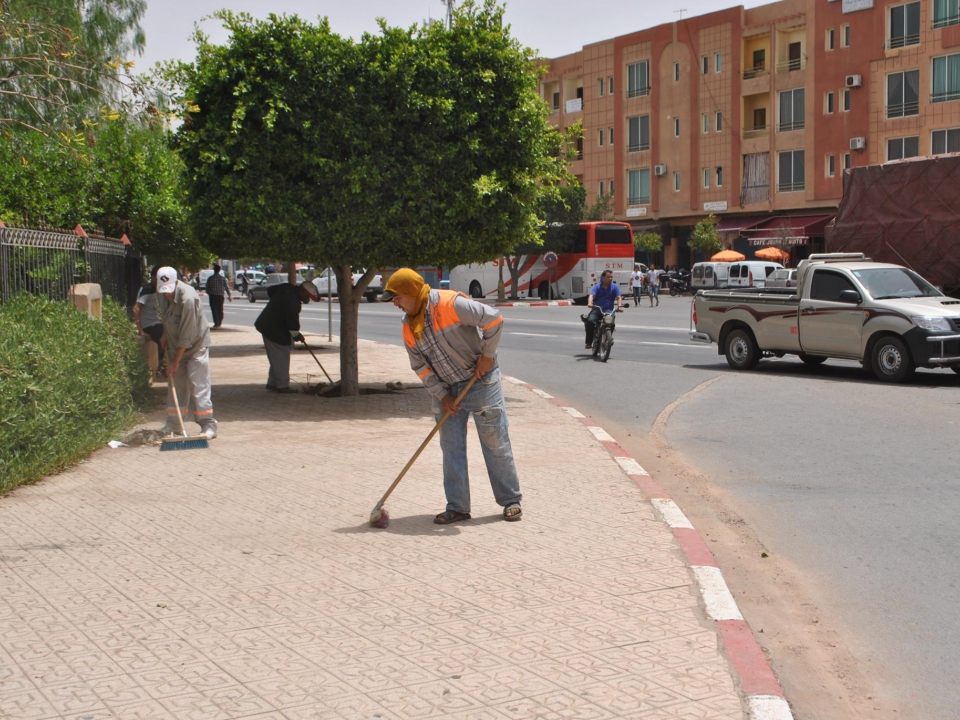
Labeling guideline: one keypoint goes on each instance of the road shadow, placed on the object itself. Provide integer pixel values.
(249, 349)
(832, 373)
(421, 525)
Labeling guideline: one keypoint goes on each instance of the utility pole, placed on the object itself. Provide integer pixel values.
(450, 4)
(681, 11)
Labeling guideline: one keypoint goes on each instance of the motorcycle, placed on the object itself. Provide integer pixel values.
(603, 335)
(680, 284)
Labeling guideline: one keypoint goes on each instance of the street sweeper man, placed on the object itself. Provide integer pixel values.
(279, 324)
(451, 338)
(186, 341)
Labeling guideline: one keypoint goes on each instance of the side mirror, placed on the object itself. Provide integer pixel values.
(850, 296)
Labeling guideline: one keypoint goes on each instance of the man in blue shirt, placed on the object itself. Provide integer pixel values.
(603, 297)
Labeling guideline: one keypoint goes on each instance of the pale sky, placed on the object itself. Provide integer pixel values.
(551, 27)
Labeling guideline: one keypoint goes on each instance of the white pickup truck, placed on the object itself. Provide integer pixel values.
(326, 278)
(845, 306)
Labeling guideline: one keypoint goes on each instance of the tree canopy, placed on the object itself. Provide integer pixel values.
(419, 146)
(705, 238)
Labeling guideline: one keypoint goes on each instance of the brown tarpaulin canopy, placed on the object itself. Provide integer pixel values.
(906, 213)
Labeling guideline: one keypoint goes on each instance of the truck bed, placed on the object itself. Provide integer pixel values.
(771, 313)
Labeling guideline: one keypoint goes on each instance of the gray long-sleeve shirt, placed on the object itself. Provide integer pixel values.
(183, 322)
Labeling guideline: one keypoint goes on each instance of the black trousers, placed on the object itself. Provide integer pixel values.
(216, 307)
(591, 322)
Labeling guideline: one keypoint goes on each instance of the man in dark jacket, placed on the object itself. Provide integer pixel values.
(279, 324)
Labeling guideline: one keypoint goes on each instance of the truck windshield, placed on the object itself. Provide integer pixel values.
(888, 283)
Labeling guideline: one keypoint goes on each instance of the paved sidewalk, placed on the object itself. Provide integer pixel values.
(243, 582)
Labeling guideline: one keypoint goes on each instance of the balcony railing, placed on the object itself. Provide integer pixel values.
(638, 92)
(945, 21)
(637, 147)
(791, 187)
(790, 126)
(945, 96)
(903, 41)
(791, 65)
(755, 71)
(755, 131)
(575, 105)
(903, 110)
(639, 200)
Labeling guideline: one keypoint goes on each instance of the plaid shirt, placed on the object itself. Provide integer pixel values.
(440, 362)
(217, 285)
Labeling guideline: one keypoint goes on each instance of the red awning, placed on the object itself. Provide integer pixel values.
(738, 224)
(788, 230)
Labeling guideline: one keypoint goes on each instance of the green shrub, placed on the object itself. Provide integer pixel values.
(67, 384)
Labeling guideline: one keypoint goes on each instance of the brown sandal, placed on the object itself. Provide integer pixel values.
(516, 514)
(450, 516)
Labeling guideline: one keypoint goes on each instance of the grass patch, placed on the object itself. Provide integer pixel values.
(67, 384)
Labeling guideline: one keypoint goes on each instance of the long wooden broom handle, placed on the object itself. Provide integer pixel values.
(173, 391)
(426, 442)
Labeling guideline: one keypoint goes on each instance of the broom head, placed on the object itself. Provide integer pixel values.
(184, 443)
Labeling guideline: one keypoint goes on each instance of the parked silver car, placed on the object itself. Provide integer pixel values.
(260, 290)
(782, 278)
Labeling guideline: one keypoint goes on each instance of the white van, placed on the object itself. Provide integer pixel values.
(709, 275)
(751, 273)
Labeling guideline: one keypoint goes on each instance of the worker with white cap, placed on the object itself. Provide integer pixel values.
(279, 324)
(186, 340)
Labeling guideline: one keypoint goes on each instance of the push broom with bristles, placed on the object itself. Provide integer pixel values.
(378, 516)
(185, 442)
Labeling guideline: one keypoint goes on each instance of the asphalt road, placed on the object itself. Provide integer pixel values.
(850, 483)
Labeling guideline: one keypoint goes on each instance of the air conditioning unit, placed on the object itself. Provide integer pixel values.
(854, 81)
(660, 169)
(858, 143)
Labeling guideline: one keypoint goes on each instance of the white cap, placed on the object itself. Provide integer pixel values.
(311, 290)
(166, 280)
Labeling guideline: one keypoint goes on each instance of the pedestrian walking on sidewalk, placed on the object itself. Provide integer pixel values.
(217, 288)
(636, 284)
(146, 315)
(653, 284)
(279, 324)
(186, 341)
(451, 338)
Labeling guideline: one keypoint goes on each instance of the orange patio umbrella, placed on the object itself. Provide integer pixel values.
(772, 253)
(728, 256)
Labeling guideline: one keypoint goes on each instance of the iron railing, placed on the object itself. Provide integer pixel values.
(49, 263)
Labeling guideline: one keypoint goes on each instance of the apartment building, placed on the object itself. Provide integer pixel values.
(753, 115)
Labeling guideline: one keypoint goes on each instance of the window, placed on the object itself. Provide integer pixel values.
(638, 187)
(706, 178)
(706, 123)
(676, 72)
(676, 182)
(759, 64)
(600, 140)
(844, 36)
(831, 38)
(946, 12)
(556, 101)
(846, 100)
(794, 56)
(600, 192)
(791, 177)
(791, 110)
(719, 177)
(828, 103)
(718, 62)
(905, 147)
(760, 119)
(611, 84)
(706, 64)
(600, 86)
(638, 129)
(828, 284)
(831, 165)
(611, 187)
(846, 161)
(946, 78)
(638, 79)
(676, 127)
(945, 141)
(904, 25)
(610, 136)
(719, 121)
(903, 94)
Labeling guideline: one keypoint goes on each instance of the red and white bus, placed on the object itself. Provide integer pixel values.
(599, 246)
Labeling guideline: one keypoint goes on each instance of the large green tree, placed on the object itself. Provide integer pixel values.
(62, 59)
(419, 146)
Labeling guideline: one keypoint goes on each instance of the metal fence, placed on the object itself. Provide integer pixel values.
(49, 263)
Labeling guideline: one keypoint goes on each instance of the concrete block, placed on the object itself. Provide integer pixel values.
(89, 298)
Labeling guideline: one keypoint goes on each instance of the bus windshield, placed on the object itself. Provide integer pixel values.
(613, 235)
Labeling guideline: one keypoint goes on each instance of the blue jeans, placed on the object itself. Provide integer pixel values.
(485, 403)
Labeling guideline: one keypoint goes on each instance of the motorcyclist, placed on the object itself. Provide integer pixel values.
(603, 297)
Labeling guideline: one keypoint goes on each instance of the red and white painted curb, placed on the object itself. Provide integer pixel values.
(537, 303)
(758, 683)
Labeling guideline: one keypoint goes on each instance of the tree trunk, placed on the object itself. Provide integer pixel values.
(514, 266)
(501, 296)
(350, 299)
(292, 272)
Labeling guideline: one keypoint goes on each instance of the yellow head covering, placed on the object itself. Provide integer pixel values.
(408, 283)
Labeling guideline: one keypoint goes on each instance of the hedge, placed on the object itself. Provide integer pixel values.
(68, 384)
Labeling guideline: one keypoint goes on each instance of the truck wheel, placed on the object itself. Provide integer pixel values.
(742, 351)
(251, 297)
(812, 360)
(475, 290)
(891, 361)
